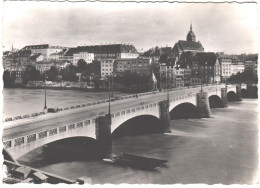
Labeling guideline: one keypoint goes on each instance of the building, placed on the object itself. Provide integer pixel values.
(57, 55)
(189, 45)
(141, 66)
(206, 67)
(179, 77)
(237, 66)
(167, 71)
(88, 57)
(43, 66)
(107, 67)
(251, 66)
(107, 51)
(22, 57)
(45, 49)
(226, 71)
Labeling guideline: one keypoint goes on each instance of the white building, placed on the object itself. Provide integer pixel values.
(237, 67)
(106, 67)
(45, 49)
(88, 57)
(43, 67)
(226, 71)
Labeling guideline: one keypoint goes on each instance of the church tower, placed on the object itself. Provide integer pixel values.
(191, 36)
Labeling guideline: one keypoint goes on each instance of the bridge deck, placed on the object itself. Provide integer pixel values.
(28, 126)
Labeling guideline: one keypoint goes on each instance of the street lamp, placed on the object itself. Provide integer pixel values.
(112, 84)
(167, 84)
(45, 101)
(109, 110)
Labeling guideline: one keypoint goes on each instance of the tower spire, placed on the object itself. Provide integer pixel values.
(191, 26)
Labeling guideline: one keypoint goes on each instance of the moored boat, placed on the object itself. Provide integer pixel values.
(136, 161)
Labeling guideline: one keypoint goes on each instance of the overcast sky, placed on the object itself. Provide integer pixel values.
(228, 27)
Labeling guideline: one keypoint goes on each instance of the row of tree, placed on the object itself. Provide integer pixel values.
(244, 77)
(87, 72)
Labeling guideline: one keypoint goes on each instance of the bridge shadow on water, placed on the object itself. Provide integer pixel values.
(65, 150)
(232, 96)
(140, 125)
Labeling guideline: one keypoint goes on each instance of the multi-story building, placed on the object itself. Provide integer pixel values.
(107, 51)
(237, 66)
(179, 77)
(88, 57)
(45, 49)
(58, 55)
(24, 57)
(167, 71)
(141, 66)
(18, 71)
(251, 66)
(43, 66)
(225, 64)
(206, 67)
(107, 67)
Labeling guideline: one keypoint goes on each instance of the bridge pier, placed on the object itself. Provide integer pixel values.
(239, 93)
(103, 135)
(224, 97)
(203, 105)
(165, 115)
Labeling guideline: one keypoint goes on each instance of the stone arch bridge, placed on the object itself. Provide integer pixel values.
(23, 136)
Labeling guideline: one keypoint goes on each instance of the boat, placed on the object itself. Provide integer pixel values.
(135, 161)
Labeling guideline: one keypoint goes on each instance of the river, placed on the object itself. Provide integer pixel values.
(221, 149)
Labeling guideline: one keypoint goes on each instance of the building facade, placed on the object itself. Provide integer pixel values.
(226, 71)
(45, 49)
(107, 51)
(107, 67)
(141, 66)
(88, 57)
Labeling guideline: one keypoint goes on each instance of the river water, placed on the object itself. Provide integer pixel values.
(222, 149)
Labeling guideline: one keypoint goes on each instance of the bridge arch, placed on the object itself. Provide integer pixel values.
(66, 149)
(184, 111)
(231, 96)
(140, 124)
(215, 101)
(28, 145)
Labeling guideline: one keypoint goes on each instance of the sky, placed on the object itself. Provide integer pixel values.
(222, 27)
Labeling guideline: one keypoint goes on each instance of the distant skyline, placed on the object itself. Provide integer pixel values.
(222, 27)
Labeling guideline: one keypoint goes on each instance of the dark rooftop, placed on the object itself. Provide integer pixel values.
(190, 45)
(103, 49)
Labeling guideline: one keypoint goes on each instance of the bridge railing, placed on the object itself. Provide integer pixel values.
(103, 101)
(46, 133)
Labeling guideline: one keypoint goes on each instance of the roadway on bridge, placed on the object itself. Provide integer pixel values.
(25, 127)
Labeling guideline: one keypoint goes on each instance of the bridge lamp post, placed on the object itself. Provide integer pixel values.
(112, 84)
(45, 100)
(109, 97)
(201, 76)
(167, 83)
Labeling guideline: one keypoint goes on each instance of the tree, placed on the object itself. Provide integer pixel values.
(52, 74)
(31, 74)
(244, 77)
(69, 73)
(8, 79)
(81, 65)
